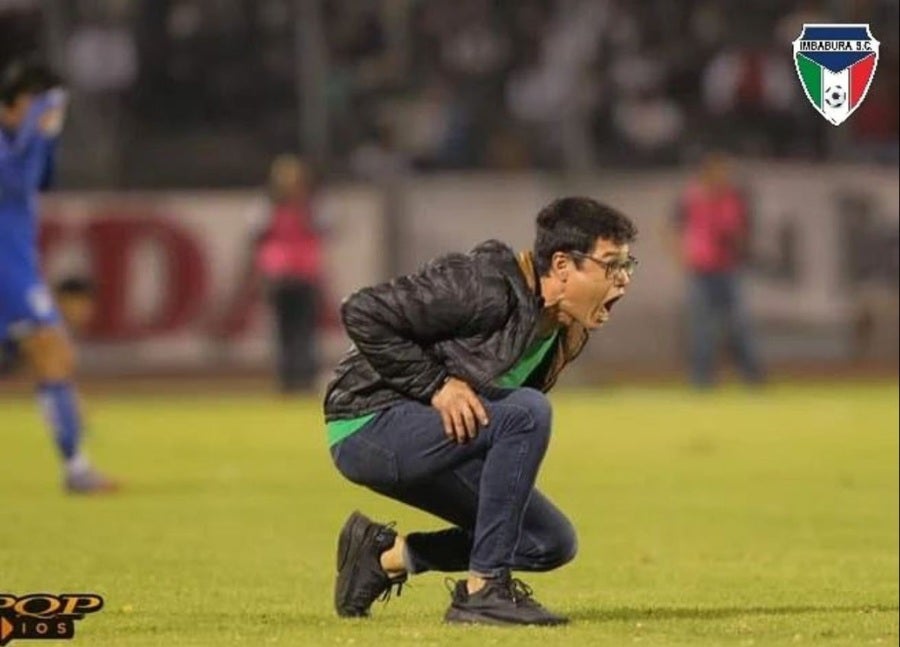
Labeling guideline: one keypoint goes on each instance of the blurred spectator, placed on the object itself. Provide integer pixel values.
(431, 128)
(874, 124)
(712, 230)
(20, 23)
(289, 258)
(651, 124)
(552, 90)
(101, 58)
(789, 26)
(578, 82)
(749, 91)
(75, 298)
(377, 159)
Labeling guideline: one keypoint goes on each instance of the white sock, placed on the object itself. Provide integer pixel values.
(78, 464)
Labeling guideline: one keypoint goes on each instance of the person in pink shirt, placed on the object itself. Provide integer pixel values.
(289, 259)
(712, 234)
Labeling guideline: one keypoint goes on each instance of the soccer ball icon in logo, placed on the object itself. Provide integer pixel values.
(835, 96)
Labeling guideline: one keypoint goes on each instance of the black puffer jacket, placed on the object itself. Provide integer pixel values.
(471, 316)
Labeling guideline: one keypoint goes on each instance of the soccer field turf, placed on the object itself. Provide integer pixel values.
(728, 518)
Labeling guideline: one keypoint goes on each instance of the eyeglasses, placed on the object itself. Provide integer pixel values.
(614, 267)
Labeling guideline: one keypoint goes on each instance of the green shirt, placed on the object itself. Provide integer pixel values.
(522, 370)
(516, 376)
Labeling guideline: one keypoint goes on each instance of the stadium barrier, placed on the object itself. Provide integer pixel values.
(174, 292)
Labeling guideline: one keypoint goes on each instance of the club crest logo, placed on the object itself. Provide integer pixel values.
(836, 64)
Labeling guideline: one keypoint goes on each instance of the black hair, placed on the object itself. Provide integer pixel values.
(74, 286)
(26, 76)
(574, 224)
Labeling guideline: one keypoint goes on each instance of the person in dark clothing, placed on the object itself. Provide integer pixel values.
(440, 405)
(289, 258)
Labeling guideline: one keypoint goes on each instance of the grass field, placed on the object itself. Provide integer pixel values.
(728, 518)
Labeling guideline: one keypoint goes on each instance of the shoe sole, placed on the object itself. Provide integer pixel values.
(455, 615)
(350, 541)
(94, 490)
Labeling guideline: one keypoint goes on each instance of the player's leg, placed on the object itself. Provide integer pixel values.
(280, 300)
(303, 336)
(295, 307)
(740, 336)
(407, 445)
(702, 329)
(51, 358)
(547, 539)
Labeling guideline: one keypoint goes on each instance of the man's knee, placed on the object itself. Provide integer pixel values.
(564, 546)
(551, 549)
(536, 407)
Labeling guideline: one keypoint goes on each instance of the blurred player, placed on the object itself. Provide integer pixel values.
(440, 405)
(32, 109)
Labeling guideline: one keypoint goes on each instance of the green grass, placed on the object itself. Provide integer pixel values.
(728, 518)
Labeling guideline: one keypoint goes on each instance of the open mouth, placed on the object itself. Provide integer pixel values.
(608, 305)
(606, 308)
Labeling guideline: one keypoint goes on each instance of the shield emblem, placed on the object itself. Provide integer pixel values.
(835, 64)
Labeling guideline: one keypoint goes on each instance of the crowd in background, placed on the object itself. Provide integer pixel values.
(206, 91)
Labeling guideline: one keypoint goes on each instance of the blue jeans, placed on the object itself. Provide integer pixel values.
(715, 304)
(484, 487)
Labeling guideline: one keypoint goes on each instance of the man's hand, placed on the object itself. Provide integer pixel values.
(53, 116)
(460, 409)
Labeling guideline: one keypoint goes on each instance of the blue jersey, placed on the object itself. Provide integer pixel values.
(26, 159)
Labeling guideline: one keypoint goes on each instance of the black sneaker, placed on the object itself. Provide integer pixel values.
(502, 601)
(360, 578)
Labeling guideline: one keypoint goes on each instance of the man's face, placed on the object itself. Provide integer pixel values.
(716, 170)
(13, 114)
(590, 291)
(290, 179)
(77, 311)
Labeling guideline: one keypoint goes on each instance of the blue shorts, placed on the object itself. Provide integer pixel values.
(25, 304)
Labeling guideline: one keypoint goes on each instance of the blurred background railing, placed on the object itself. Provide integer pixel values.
(822, 282)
